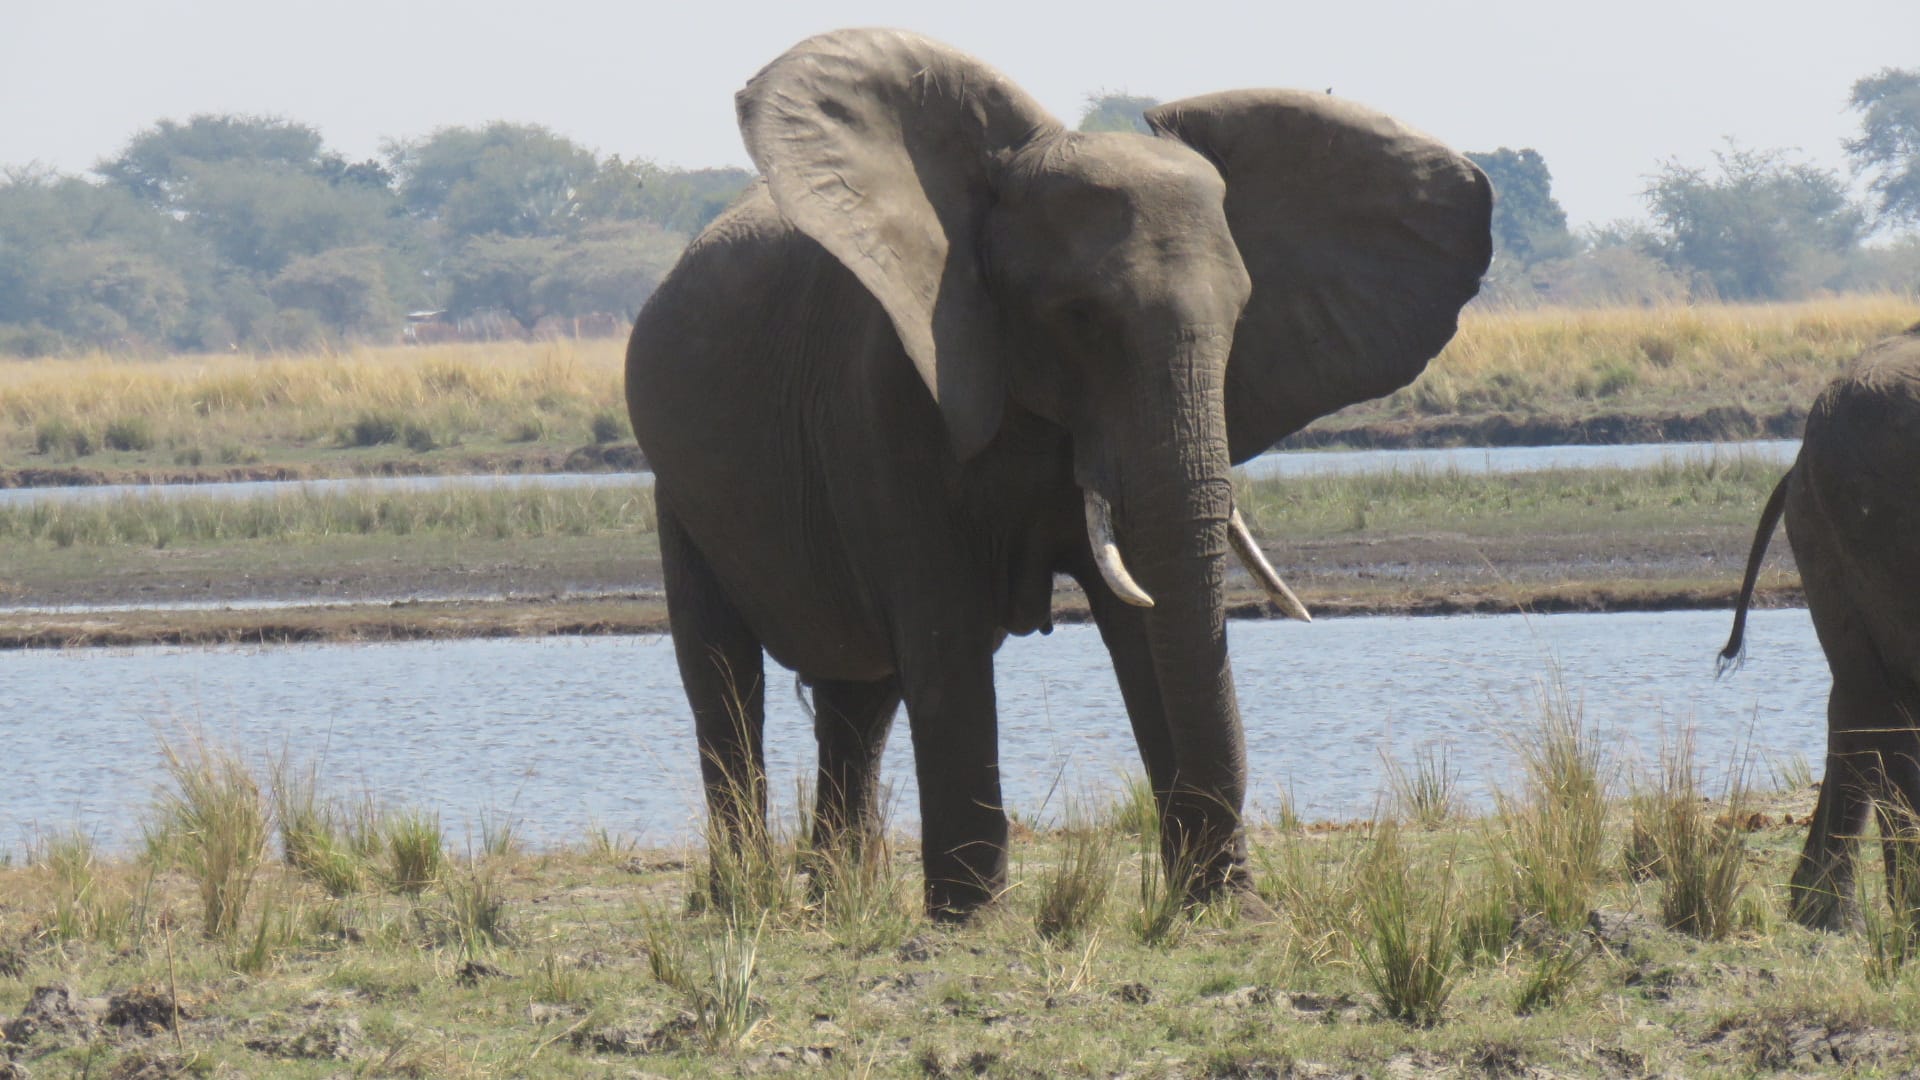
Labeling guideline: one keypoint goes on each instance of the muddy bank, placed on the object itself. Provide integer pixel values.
(375, 589)
(1719, 424)
(605, 458)
(647, 614)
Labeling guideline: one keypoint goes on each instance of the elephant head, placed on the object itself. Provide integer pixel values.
(1176, 302)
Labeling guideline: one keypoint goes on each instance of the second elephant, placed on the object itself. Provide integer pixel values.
(1852, 504)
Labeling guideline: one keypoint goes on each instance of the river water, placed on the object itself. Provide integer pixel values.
(1467, 459)
(562, 734)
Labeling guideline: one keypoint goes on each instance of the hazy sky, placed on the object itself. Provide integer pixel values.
(1606, 91)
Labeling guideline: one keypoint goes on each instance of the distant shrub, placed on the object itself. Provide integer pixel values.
(129, 433)
(1608, 379)
(61, 439)
(418, 437)
(609, 427)
(29, 341)
(370, 429)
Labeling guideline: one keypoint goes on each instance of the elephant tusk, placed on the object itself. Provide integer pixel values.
(1106, 553)
(1262, 570)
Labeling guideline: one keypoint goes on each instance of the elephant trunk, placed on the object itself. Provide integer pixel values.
(1177, 502)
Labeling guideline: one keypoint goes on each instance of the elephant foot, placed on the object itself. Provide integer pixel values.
(1823, 900)
(1252, 908)
(957, 902)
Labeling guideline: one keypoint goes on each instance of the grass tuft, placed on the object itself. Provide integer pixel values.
(1075, 886)
(219, 821)
(1697, 853)
(1551, 978)
(415, 851)
(862, 901)
(476, 913)
(1412, 916)
(1428, 794)
(1551, 835)
(718, 991)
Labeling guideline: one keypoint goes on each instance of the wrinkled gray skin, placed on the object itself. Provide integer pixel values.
(1852, 504)
(876, 392)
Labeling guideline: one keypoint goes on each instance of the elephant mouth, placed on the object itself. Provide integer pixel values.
(1113, 567)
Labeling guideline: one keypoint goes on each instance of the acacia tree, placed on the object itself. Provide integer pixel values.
(1758, 226)
(1889, 142)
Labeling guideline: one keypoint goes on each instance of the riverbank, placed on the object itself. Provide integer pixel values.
(442, 620)
(1573, 932)
(1537, 377)
(378, 566)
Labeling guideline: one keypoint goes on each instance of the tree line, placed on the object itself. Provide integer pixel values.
(228, 231)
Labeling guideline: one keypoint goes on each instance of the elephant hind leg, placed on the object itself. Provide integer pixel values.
(1868, 751)
(850, 722)
(1900, 809)
(721, 665)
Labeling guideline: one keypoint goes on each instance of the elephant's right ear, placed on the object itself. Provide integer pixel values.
(1363, 239)
(878, 144)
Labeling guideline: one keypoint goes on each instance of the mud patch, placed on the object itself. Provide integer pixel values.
(143, 1011)
(50, 1011)
(151, 1067)
(1776, 1043)
(328, 1040)
(638, 1039)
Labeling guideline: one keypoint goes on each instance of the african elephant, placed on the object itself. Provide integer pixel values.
(1852, 503)
(947, 349)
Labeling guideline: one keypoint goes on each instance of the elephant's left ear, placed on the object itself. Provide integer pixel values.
(1363, 238)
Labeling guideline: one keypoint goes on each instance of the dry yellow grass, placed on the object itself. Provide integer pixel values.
(519, 392)
(1540, 361)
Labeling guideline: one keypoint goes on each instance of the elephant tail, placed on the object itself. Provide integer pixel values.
(1734, 653)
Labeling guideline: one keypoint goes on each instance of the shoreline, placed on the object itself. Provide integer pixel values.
(1715, 424)
(646, 614)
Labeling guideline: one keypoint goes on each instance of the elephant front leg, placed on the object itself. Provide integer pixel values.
(951, 711)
